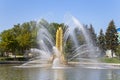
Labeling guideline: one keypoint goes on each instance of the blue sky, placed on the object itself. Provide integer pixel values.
(96, 12)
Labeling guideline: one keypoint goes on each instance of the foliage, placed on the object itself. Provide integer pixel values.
(102, 42)
(53, 28)
(2, 58)
(111, 37)
(12, 59)
(93, 35)
(18, 39)
(22, 37)
(8, 41)
(118, 51)
(68, 48)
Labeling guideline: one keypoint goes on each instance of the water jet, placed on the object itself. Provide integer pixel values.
(52, 52)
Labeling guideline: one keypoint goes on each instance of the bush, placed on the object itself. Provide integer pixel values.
(2, 59)
(13, 59)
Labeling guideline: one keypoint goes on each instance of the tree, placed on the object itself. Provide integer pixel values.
(43, 23)
(34, 30)
(102, 42)
(25, 37)
(8, 42)
(24, 41)
(93, 35)
(19, 38)
(111, 37)
(53, 28)
(118, 51)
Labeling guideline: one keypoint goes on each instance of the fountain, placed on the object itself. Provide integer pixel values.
(51, 52)
(59, 57)
(51, 63)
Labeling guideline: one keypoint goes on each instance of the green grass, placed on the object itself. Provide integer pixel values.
(110, 60)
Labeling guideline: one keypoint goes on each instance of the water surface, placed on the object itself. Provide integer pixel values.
(8, 72)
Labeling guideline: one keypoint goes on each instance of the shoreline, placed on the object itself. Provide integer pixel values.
(12, 62)
(92, 63)
(69, 63)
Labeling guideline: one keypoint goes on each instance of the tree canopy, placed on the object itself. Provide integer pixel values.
(22, 37)
(102, 42)
(111, 37)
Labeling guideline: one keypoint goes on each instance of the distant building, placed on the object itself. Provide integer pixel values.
(118, 33)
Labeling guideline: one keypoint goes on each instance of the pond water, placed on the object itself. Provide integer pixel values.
(8, 72)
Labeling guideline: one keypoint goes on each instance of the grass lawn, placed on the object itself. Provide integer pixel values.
(110, 60)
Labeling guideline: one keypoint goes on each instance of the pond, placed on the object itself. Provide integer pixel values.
(9, 72)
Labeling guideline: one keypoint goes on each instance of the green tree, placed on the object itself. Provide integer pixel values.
(19, 38)
(25, 37)
(17, 31)
(111, 37)
(34, 30)
(102, 42)
(93, 35)
(8, 41)
(24, 41)
(118, 51)
(43, 23)
(53, 28)
(68, 49)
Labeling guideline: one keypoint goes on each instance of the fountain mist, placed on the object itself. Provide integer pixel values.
(53, 51)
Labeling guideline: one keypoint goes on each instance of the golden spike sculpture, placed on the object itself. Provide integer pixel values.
(59, 44)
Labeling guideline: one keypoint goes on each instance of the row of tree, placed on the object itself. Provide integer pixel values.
(18, 39)
(109, 40)
(22, 37)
